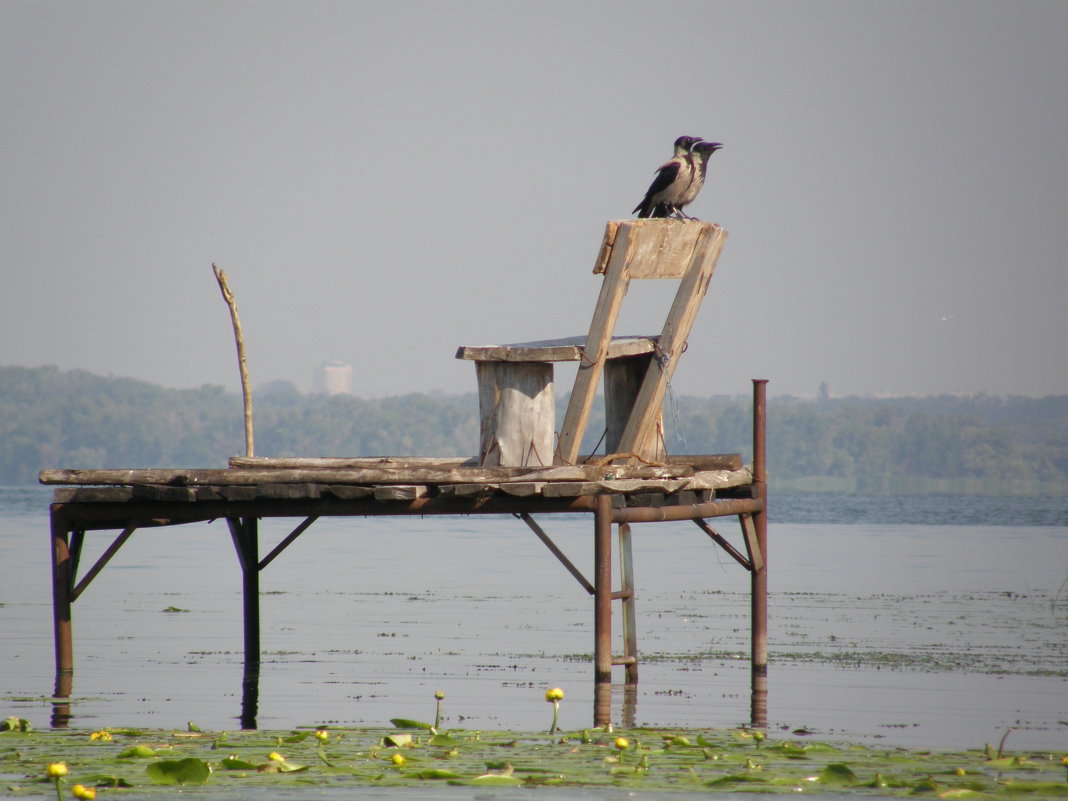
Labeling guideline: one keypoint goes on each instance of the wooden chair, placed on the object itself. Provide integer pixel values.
(517, 415)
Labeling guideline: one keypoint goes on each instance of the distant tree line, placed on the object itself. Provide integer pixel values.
(981, 444)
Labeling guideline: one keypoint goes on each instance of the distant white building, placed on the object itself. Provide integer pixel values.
(333, 378)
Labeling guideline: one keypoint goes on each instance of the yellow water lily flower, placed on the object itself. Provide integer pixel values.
(553, 695)
(57, 770)
(103, 735)
(399, 759)
(87, 793)
(274, 756)
(622, 743)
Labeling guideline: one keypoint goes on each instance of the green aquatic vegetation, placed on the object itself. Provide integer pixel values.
(214, 765)
(179, 771)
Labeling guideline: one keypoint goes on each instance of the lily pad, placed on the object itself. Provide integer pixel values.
(497, 780)
(437, 773)
(837, 773)
(738, 778)
(232, 763)
(445, 740)
(104, 780)
(179, 771)
(404, 723)
(1059, 789)
(137, 752)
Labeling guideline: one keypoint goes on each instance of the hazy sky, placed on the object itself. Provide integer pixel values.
(386, 181)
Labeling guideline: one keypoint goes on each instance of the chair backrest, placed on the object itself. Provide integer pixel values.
(641, 249)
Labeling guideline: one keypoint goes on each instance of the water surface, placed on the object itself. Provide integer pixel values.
(909, 632)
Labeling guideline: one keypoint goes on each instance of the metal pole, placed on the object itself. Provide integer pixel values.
(630, 616)
(245, 533)
(759, 574)
(694, 511)
(62, 600)
(602, 611)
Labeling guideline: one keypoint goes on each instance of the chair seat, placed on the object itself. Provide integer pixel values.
(567, 349)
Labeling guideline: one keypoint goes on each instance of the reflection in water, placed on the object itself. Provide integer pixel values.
(250, 694)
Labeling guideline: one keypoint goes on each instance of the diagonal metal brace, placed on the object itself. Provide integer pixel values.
(574, 571)
(103, 560)
(752, 542)
(722, 542)
(287, 541)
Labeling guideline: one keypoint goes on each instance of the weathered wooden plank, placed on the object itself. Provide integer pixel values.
(515, 401)
(566, 349)
(708, 461)
(467, 490)
(677, 327)
(519, 489)
(287, 492)
(152, 492)
(720, 479)
(92, 495)
(522, 489)
(665, 248)
(705, 461)
(348, 462)
(252, 477)
(602, 325)
(574, 489)
(400, 492)
(347, 492)
(622, 381)
(662, 248)
(238, 493)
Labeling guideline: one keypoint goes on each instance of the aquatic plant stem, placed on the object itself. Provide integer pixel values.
(1004, 737)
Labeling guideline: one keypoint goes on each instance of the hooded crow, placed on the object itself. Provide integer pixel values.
(700, 154)
(672, 179)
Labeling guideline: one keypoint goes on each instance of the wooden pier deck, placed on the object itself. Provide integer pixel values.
(527, 467)
(694, 488)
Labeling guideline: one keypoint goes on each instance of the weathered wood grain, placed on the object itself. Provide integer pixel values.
(574, 489)
(400, 492)
(252, 477)
(622, 382)
(677, 326)
(720, 479)
(594, 353)
(518, 415)
(566, 349)
(703, 461)
(341, 462)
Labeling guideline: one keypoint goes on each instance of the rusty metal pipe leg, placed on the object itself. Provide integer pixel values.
(245, 533)
(602, 611)
(759, 576)
(62, 601)
(630, 617)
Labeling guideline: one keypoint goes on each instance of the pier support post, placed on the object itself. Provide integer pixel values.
(602, 611)
(759, 576)
(245, 533)
(630, 616)
(62, 601)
